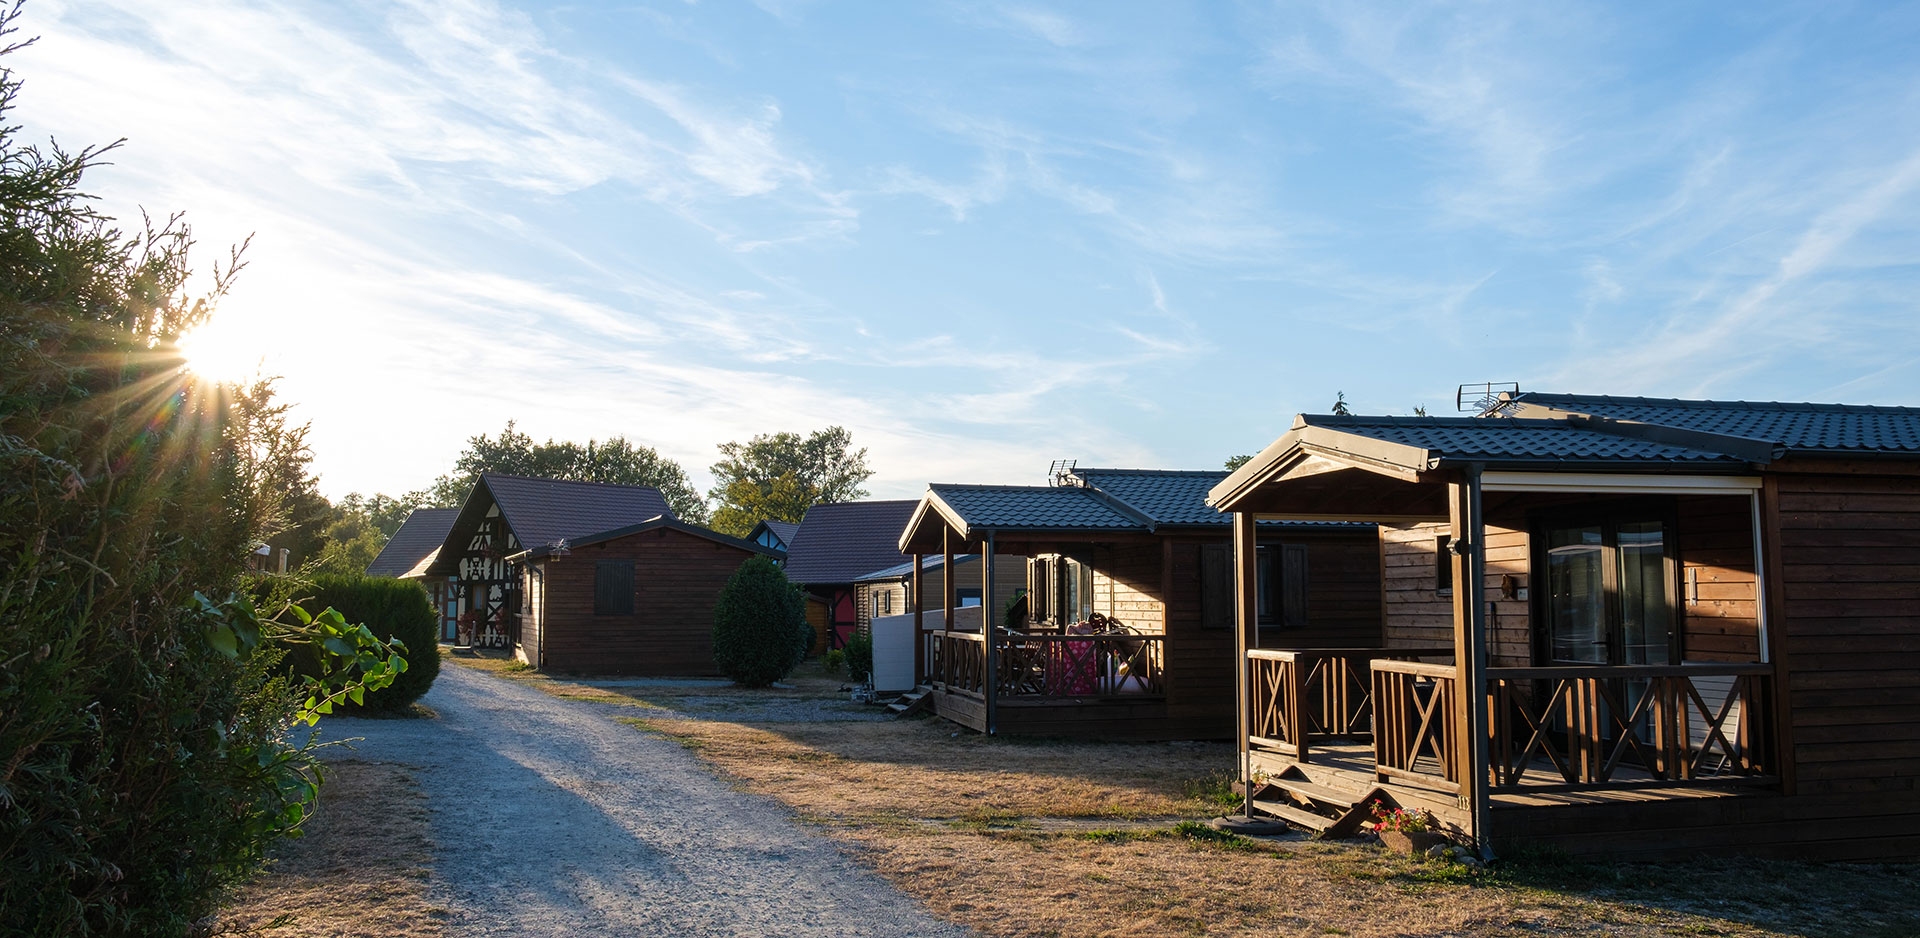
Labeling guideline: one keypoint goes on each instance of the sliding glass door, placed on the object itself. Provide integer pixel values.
(1608, 580)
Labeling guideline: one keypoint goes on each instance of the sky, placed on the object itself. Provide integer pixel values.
(984, 236)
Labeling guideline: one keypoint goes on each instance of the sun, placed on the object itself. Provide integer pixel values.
(219, 351)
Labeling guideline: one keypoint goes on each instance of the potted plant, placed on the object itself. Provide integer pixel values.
(1408, 832)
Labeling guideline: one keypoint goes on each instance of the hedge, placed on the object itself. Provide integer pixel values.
(392, 609)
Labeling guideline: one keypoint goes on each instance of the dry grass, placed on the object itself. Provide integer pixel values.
(981, 831)
(347, 877)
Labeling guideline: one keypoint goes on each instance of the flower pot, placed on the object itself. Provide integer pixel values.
(1411, 843)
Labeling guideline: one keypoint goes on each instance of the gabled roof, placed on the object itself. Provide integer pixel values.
(836, 543)
(651, 524)
(421, 534)
(1410, 447)
(782, 531)
(540, 512)
(1031, 507)
(1823, 429)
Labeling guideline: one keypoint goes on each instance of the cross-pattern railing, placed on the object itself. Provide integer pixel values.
(1415, 736)
(959, 662)
(1110, 665)
(1301, 695)
(1578, 728)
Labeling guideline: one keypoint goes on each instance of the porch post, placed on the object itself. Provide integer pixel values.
(987, 622)
(946, 578)
(1470, 646)
(1246, 618)
(919, 626)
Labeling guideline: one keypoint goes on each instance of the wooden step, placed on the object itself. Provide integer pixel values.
(1318, 794)
(921, 697)
(1293, 815)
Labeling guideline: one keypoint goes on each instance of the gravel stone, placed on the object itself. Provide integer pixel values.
(550, 818)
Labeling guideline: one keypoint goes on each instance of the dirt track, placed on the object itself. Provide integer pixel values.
(551, 818)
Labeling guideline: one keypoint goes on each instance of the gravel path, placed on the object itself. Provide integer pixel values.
(550, 818)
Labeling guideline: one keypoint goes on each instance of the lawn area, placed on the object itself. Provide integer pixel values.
(361, 869)
(1020, 837)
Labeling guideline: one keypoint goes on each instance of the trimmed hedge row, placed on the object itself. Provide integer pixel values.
(392, 609)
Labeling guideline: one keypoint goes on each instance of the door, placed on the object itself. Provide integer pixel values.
(1609, 588)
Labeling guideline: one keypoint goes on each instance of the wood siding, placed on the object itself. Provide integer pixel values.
(1009, 577)
(677, 578)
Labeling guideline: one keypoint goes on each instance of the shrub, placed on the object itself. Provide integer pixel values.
(145, 761)
(835, 661)
(391, 609)
(760, 627)
(860, 655)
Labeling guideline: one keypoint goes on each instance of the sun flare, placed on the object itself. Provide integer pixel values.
(218, 351)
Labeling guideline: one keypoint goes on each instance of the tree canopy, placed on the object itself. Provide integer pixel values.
(615, 460)
(778, 476)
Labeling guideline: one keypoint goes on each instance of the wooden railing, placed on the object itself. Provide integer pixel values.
(1300, 695)
(1415, 736)
(1583, 728)
(957, 661)
(1082, 665)
(1050, 665)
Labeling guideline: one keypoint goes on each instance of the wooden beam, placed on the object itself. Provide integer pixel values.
(919, 622)
(1774, 597)
(1246, 619)
(1470, 647)
(947, 583)
(987, 631)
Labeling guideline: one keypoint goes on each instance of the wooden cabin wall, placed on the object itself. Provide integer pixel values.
(1850, 587)
(1343, 592)
(1418, 613)
(533, 588)
(1716, 547)
(1127, 585)
(677, 578)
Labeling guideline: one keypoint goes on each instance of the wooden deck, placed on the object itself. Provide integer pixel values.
(1576, 821)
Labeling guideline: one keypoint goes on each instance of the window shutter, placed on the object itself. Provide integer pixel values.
(1216, 586)
(613, 588)
(1293, 585)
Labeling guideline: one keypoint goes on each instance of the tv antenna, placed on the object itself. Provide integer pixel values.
(1060, 474)
(1488, 398)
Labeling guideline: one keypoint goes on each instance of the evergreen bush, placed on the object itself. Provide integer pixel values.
(860, 655)
(760, 627)
(145, 716)
(391, 609)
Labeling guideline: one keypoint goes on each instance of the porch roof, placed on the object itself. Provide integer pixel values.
(1339, 453)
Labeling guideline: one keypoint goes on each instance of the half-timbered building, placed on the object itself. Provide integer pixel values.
(1624, 625)
(1126, 629)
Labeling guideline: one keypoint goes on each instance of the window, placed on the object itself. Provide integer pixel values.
(1280, 596)
(966, 596)
(613, 588)
(1443, 564)
(1609, 596)
(883, 601)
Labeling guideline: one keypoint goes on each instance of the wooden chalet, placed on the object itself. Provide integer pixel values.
(1141, 550)
(835, 545)
(418, 537)
(1641, 627)
(584, 576)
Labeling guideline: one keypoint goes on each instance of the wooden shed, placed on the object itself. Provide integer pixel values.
(634, 600)
(1636, 626)
(1128, 632)
(835, 545)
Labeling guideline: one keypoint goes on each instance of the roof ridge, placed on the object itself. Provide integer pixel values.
(610, 485)
(1156, 472)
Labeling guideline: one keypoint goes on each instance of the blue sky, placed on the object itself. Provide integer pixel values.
(984, 236)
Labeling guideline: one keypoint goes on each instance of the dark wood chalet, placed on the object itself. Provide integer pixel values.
(418, 537)
(634, 600)
(1140, 549)
(505, 516)
(1642, 627)
(835, 546)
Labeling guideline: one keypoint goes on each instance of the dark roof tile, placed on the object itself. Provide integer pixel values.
(841, 542)
(421, 534)
(1814, 428)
